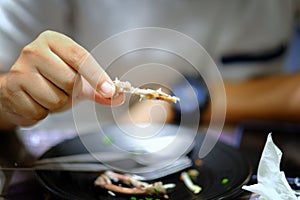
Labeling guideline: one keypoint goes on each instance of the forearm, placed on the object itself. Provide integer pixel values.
(268, 98)
(274, 98)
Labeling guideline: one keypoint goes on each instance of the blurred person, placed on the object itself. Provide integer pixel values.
(247, 40)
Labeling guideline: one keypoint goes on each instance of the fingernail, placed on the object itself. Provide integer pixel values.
(107, 89)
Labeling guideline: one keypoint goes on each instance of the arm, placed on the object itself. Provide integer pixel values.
(50, 74)
(267, 98)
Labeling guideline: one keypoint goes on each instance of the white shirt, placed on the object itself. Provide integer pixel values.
(221, 27)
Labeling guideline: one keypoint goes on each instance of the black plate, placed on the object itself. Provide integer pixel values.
(222, 162)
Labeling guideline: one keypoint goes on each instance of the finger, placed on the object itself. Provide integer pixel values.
(25, 107)
(64, 77)
(56, 71)
(87, 92)
(44, 92)
(117, 100)
(80, 60)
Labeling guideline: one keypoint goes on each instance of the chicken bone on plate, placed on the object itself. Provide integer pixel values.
(158, 94)
(106, 179)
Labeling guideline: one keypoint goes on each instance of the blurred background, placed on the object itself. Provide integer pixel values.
(245, 39)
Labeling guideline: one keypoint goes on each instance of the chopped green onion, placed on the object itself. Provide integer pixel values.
(225, 181)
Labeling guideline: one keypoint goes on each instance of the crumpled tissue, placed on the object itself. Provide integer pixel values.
(271, 182)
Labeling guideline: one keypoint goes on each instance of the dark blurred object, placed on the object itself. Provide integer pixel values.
(12, 149)
(293, 58)
(194, 98)
(286, 136)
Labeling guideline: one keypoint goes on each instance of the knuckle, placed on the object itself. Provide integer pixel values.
(47, 34)
(34, 51)
(30, 50)
(58, 103)
(39, 46)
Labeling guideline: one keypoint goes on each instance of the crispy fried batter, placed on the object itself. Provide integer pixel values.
(144, 93)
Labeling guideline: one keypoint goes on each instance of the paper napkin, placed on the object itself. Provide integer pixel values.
(271, 182)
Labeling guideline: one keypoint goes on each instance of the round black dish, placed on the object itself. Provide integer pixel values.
(223, 162)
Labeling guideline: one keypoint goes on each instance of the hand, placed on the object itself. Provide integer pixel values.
(48, 73)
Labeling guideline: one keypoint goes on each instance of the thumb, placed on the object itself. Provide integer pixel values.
(84, 91)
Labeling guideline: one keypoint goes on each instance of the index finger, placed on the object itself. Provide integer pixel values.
(82, 61)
